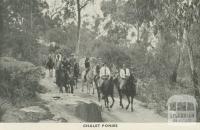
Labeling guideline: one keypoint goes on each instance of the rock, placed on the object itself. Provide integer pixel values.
(34, 113)
(34, 109)
(89, 112)
(27, 114)
(11, 115)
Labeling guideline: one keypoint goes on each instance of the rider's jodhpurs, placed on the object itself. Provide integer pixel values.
(122, 83)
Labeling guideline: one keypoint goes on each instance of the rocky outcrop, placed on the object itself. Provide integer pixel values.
(89, 112)
(27, 114)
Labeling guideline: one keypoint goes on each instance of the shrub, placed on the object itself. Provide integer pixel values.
(155, 91)
(19, 80)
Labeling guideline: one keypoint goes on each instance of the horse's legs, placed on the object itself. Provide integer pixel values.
(69, 89)
(61, 90)
(82, 86)
(107, 102)
(72, 88)
(98, 92)
(128, 102)
(66, 88)
(76, 81)
(113, 100)
(120, 98)
(87, 87)
(132, 103)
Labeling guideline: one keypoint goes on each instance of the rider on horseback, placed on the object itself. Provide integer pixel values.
(104, 75)
(87, 67)
(97, 71)
(76, 69)
(124, 75)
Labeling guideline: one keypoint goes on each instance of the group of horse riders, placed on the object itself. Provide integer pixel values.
(103, 72)
(67, 74)
(66, 71)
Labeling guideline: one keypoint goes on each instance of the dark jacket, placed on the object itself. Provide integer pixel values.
(87, 64)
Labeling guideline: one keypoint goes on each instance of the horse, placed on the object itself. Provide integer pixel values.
(129, 90)
(96, 83)
(89, 80)
(50, 65)
(76, 73)
(69, 77)
(107, 89)
(60, 77)
(69, 82)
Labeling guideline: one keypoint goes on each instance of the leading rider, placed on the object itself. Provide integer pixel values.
(104, 75)
(124, 75)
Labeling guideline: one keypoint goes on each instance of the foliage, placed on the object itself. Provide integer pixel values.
(19, 80)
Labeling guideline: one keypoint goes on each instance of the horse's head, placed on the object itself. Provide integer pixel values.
(132, 80)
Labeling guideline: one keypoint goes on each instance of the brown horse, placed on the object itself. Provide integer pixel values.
(129, 90)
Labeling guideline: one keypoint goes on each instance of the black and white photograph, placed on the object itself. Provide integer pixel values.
(100, 61)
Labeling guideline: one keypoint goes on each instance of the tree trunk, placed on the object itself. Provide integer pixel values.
(194, 75)
(78, 27)
(138, 33)
(175, 71)
(1, 18)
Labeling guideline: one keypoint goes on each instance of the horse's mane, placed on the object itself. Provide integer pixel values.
(131, 81)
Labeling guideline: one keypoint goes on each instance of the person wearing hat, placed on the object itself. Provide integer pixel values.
(124, 75)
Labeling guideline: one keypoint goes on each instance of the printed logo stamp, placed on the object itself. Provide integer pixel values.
(182, 108)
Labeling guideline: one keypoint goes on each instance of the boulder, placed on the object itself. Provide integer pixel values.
(89, 112)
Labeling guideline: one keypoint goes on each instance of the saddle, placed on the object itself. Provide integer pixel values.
(105, 77)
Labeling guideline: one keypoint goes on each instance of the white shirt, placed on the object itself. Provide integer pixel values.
(58, 57)
(124, 74)
(104, 71)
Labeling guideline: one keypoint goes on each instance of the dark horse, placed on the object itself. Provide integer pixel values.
(68, 77)
(96, 82)
(64, 78)
(129, 90)
(76, 73)
(69, 82)
(60, 77)
(107, 90)
(50, 65)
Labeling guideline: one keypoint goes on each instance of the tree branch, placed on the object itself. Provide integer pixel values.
(84, 4)
(55, 11)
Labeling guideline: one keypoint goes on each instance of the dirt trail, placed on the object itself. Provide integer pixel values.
(62, 106)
